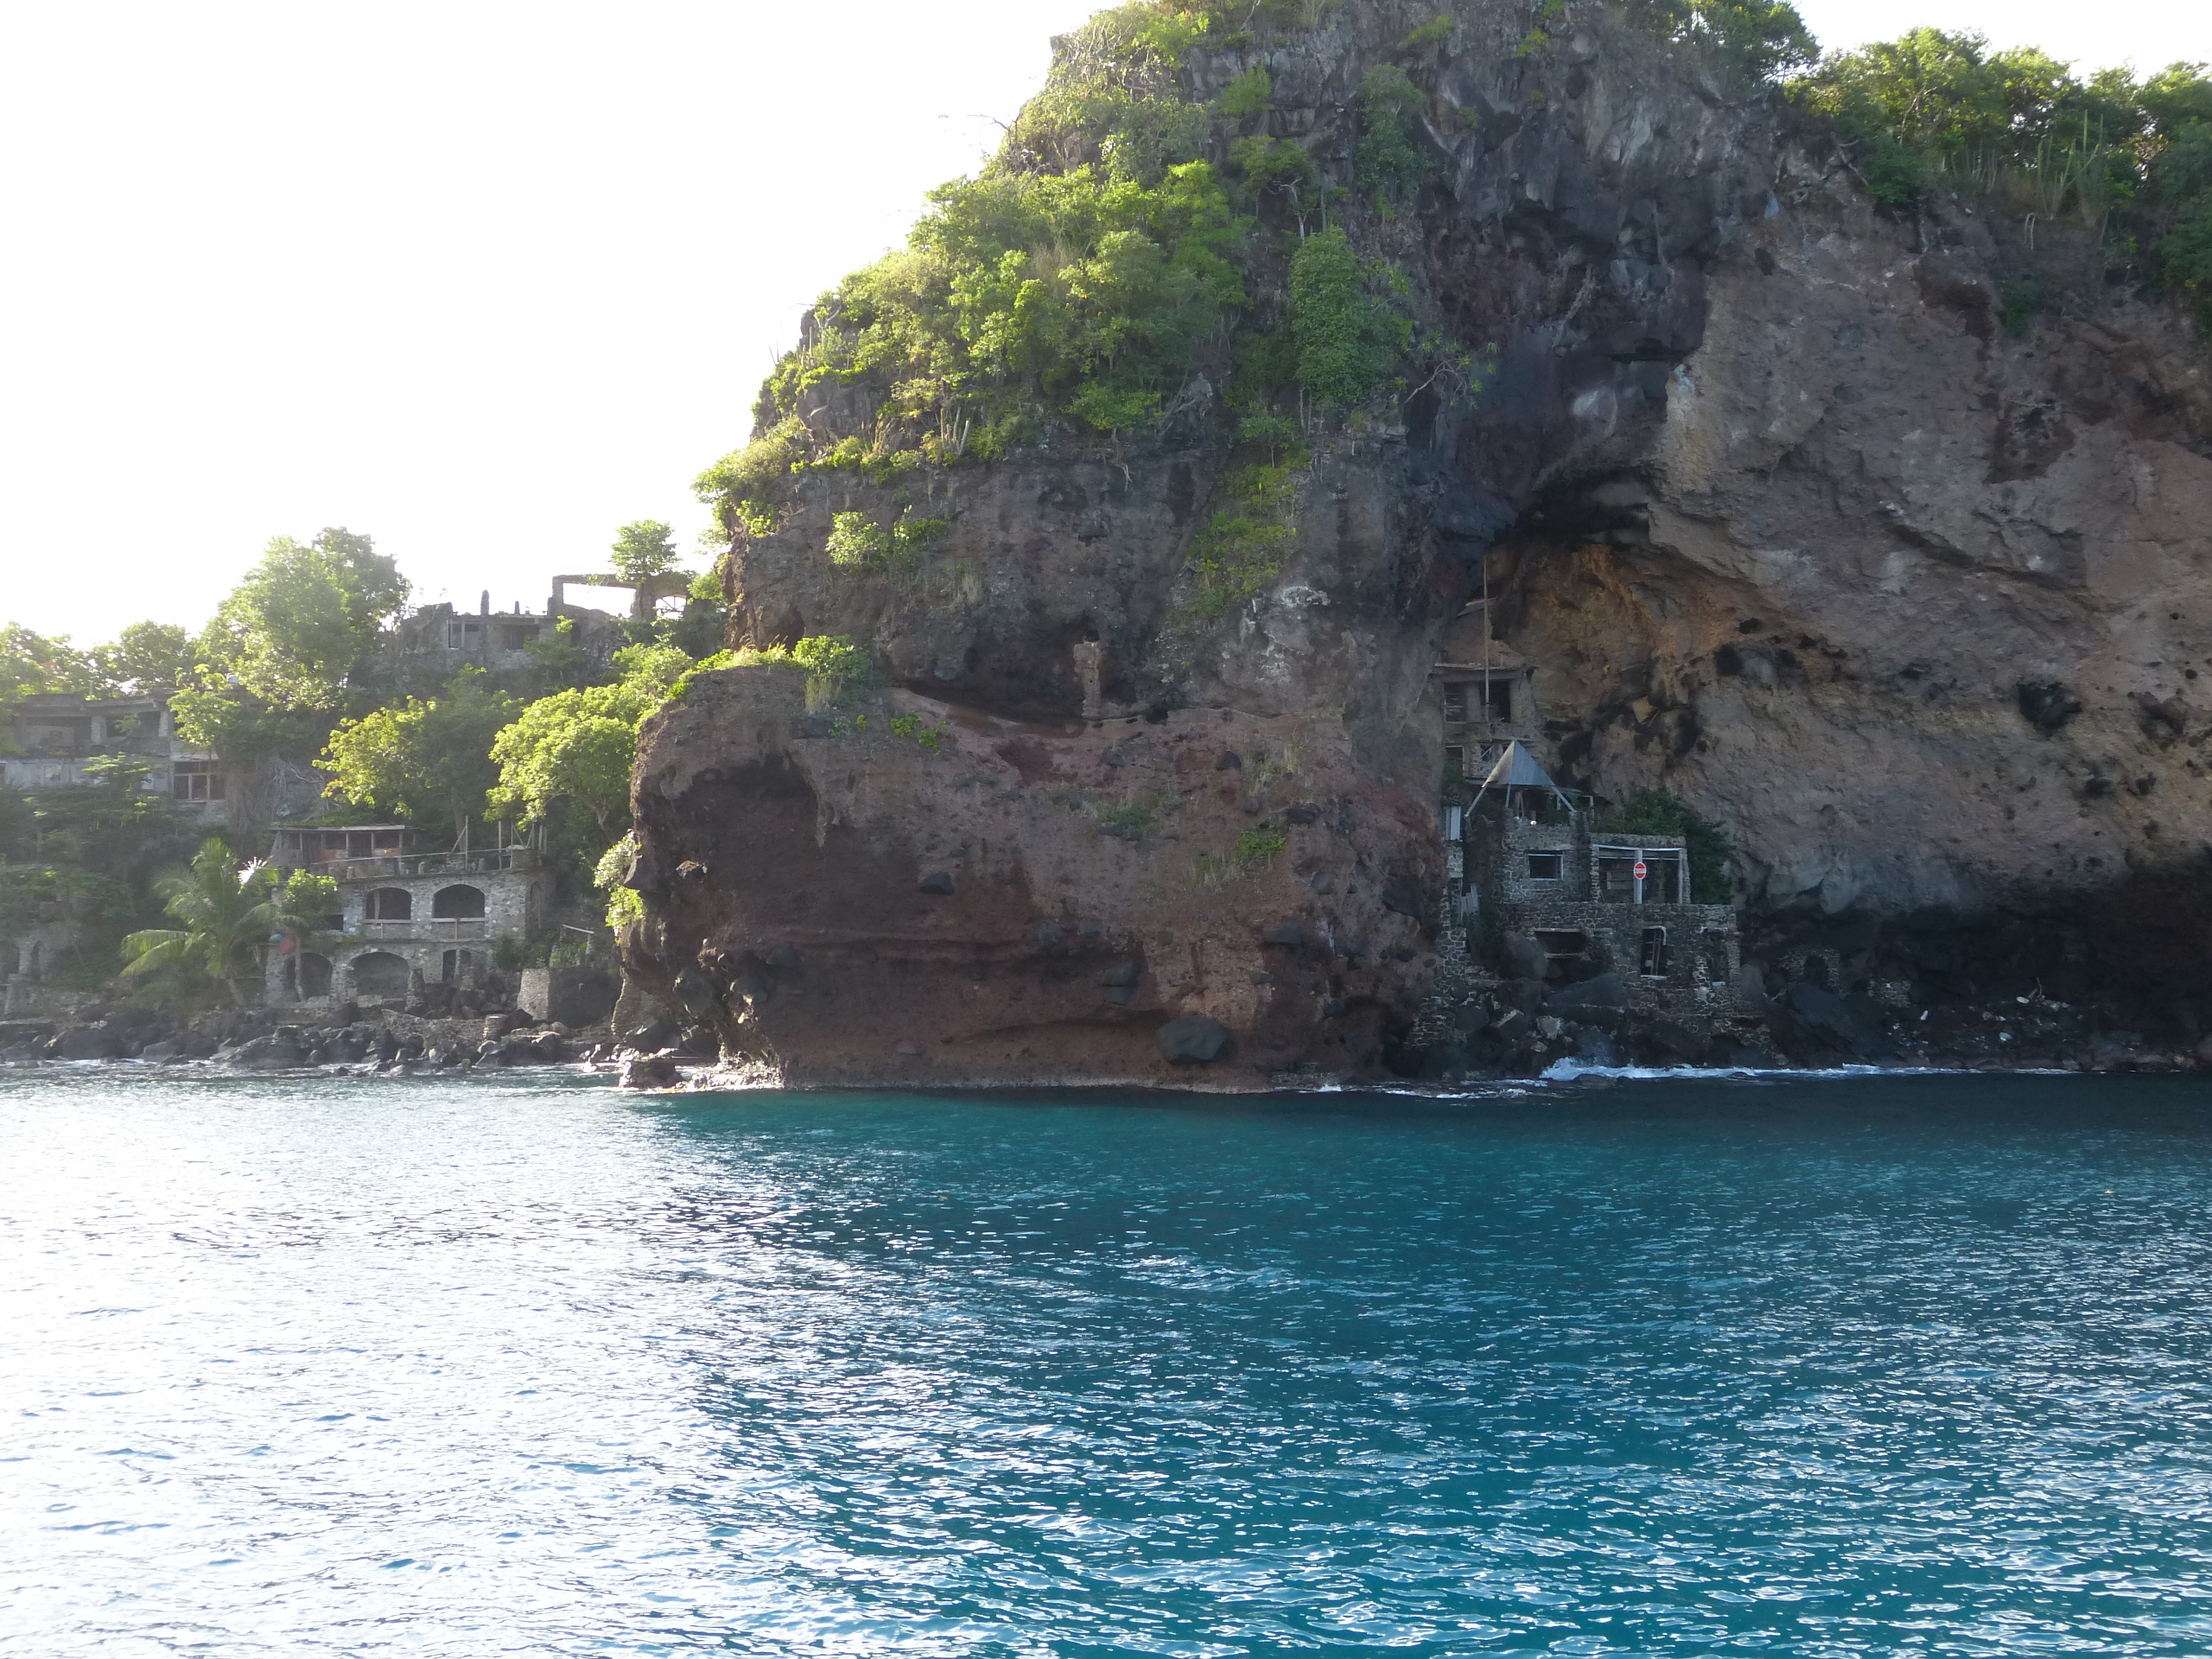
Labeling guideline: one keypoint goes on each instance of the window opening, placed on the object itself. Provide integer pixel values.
(391, 904)
(195, 780)
(1544, 867)
(1654, 953)
(460, 903)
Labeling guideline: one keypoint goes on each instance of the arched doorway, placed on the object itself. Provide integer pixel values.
(315, 975)
(379, 973)
(458, 903)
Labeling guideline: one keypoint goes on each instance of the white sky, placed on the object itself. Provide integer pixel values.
(487, 280)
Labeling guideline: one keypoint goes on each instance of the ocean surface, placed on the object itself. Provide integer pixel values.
(516, 1365)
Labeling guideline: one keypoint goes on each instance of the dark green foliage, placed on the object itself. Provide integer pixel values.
(145, 659)
(2023, 301)
(1100, 265)
(1657, 811)
(1486, 937)
(1018, 293)
(299, 622)
(743, 485)
(1388, 160)
(1348, 341)
(1436, 32)
(560, 660)
(426, 762)
(30, 663)
(1457, 788)
(1239, 550)
(2186, 259)
(1758, 40)
(1272, 166)
(1257, 846)
(1251, 93)
(2128, 162)
(858, 544)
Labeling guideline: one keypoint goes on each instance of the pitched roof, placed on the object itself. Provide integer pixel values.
(1517, 769)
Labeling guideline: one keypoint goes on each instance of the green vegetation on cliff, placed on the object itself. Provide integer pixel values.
(1128, 252)
(2129, 162)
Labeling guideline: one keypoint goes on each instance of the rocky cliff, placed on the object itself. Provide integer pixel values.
(1789, 522)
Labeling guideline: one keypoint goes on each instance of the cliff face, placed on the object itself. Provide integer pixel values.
(1788, 524)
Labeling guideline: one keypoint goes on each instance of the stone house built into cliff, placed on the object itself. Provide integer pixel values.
(407, 918)
(1575, 900)
(1486, 691)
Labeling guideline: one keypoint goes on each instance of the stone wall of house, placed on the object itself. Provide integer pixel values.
(515, 904)
(1703, 948)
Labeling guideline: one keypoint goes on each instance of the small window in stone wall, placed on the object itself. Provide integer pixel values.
(1455, 704)
(1653, 964)
(1544, 867)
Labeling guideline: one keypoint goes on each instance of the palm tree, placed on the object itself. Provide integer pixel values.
(228, 914)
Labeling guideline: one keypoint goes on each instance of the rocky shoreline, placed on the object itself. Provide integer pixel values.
(349, 1041)
(1504, 1027)
(1499, 1030)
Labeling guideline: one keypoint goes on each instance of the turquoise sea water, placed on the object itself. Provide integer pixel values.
(500, 1367)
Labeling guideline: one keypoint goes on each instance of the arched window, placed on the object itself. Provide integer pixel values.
(457, 902)
(390, 905)
(379, 973)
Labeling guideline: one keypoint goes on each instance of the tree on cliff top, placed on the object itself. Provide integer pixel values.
(644, 550)
(578, 746)
(2129, 162)
(428, 762)
(147, 658)
(30, 663)
(292, 630)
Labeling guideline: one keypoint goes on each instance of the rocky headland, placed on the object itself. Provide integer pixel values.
(1753, 473)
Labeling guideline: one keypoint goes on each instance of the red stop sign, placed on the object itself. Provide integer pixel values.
(1640, 871)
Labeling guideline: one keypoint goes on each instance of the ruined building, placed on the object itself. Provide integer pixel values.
(408, 918)
(60, 739)
(1552, 895)
(1567, 899)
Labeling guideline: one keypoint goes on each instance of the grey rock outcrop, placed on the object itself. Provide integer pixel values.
(1787, 523)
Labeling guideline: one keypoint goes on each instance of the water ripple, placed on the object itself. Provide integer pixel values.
(1882, 1366)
